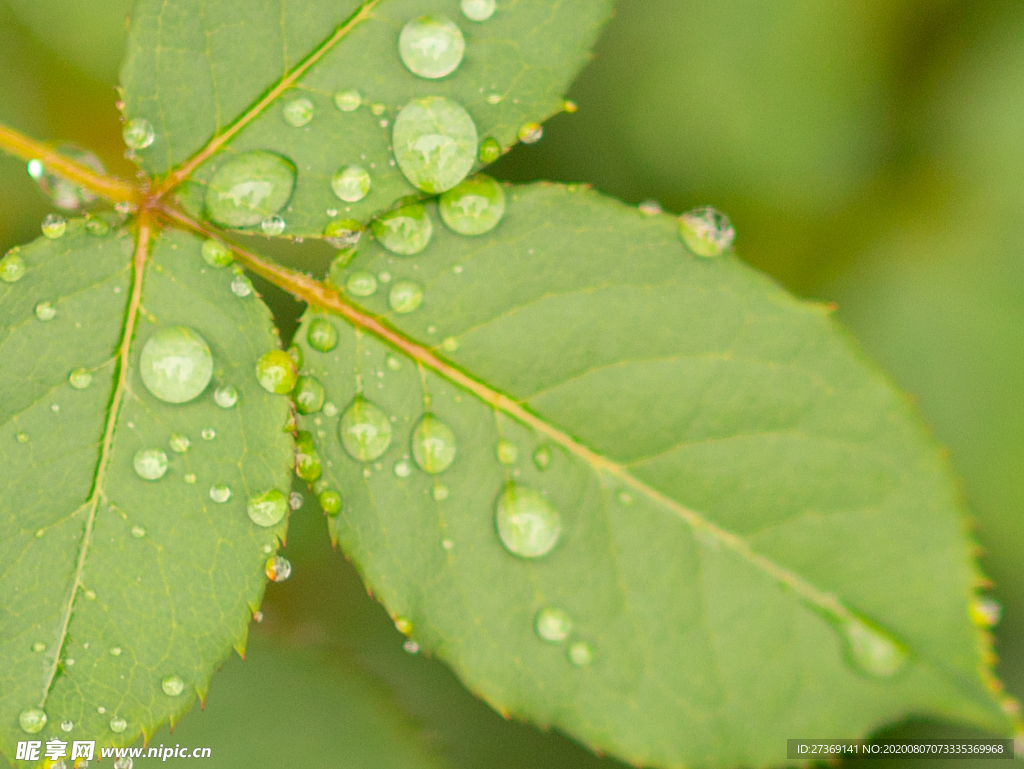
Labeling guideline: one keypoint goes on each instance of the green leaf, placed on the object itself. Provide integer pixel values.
(758, 540)
(196, 67)
(112, 582)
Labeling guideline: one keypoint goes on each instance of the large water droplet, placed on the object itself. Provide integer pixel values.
(63, 193)
(276, 372)
(225, 397)
(580, 654)
(268, 508)
(365, 430)
(361, 284)
(138, 133)
(53, 226)
(248, 188)
(431, 47)
(986, 612)
(478, 10)
(531, 133)
(507, 452)
(118, 725)
(553, 624)
(12, 267)
(473, 207)
(873, 651)
(309, 395)
(348, 101)
(32, 720)
(706, 231)
(278, 569)
(180, 443)
(435, 143)
(351, 184)
(298, 112)
(273, 225)
(307, 460)
(172, 686)
(330, 501)
(405, 231)
(150, 464)
(343, 233)
(80, 378)
(433, 445)
(322, 335)
(405, 296)
(176, 364)
(527, 523)
(216, 254)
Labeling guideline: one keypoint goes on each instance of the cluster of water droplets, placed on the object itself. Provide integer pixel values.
(62, 193)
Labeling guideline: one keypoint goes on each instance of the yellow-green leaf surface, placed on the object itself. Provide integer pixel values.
(112, 583)
(195, 69)
(757, 538)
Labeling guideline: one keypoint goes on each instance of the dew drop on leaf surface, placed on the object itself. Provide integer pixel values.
(351, 183)
(150, 464)
(580, 654)
(45, 311)
(542, 457)
(241, 286)
(531, 133)
(309, 395)
(872, 651)
(268, 509)
(123, 762)
(473, 207)
(478, 10)
(361, 284)
(706, 231)
(278, 569)
(435, 143)
(490, 150)
(172, 685)
(273, 225)
(348, 101)
(180, 443)
(53, 226)
(248, 188)
(12, 267)
(986, 612)
(176, 364)
(330, 501)
(404, 231)
(276, 372)
(507, 452)
(216, 254)
(225, 397)
(118, 725)
(298, 112)
(343, 233)
(220, 493)
(552, 624)
(138, 133)
(406, 296)
(527, 523)
(66, 725)
(32, 720)
(322, 335)
(61, 192)
(433, 445)
(365, 430)
(431, 47)
(80, 378)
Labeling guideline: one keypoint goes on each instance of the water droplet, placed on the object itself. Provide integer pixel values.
(208, 433)
(490, 150)
(248, 188)
(527, 523)
(433, 445)
(32, 720)
(986, 612)
(53, 226)
(580, 654)
(330, 409)
(365, 430)
(241, 286)
(440, 492)
(447, 544)
(307, 460)
(115, 652)
(435, 143)
(138, 133)
(473, 207)
(405, 231)
(295, 353)
(257, 617)
(180, 443)
(12, 267)
(176, 364)
(330, 501)
(296, 500)
(298, 112)
(542, 457)
(63, 193)
(494, 98)
(55, 407)
(308, 395)
(351, 184)
(189, 478)
(225, 397)
(873, 651)
(411, 647)
(384, 277)
(393, 363)
(118, 725)
(276, 372)
(216, 254)
(361, 284)
(172, 686)
(46, 311)
(67, 726)
(706, 231)
(650, 207)
(38, 646)
(97, 227)
(22, 437)
(121, 762)
(478, 10)
(322, 335)
(403, 468)
(80, 378)
(553, 624)
(138, 532)
(268, 508)
(273, 225)
(450, 344)
(278, 569)
(405, 296)
(431, 47)
(507, 452)
(220, 493)
(343, 233)
(570, 107)
(348, 101)
(150, 464)
(531, 133)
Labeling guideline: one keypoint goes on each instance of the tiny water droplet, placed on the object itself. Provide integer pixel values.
(138, 133)
(90, 594)
(450, 344)
(650, 207)
(276, 372)
(440, 492)
(351, 184)
(122, 762)
(348, 101)
(46, 311)
(531, 133)
(53, 226)
(273, 225)
(66, 725)
(12, 267)
(330, 409)
(308, 395)
(384, 277)
(298, 112)
(330, 501)
(180, 443)
(447, 544)
(986, 612)
(115, 652)
(873, 651)
(189, 478)
(580, 654)
(22, 437)
(431, 47)
(268, 509)
(527, 523)
(361, 284)
(172, 686)
(176, 364)
(138, 532)
(216, 254)
(249, 188)
(473, 207)
(405, 230)
(365, 430)
(552, 624)
(490, 150)
(80, 378)
(542, 457)
(322, 335)
(257, 617)
(405, 296)
(150, 464)
(32, 720)
(241, 286)
(278, 569)
(55, 407)
(296, 500)
(570, 107)
(435, 143)
(411, 647)
(433, 445)
(118, 725)
(220, 493)
(403, 468)
(208, 433)
(38, 646)
(225, 397)
(307, 461)
(706, 231)
(507, 452)
(478, 10)
(393, 363)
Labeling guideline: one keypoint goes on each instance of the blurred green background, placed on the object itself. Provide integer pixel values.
(870, 154)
